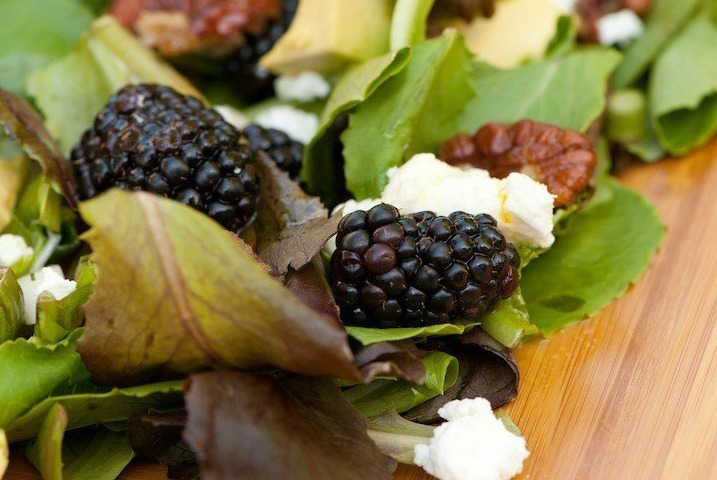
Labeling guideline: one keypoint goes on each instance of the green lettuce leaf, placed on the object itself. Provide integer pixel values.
(409, 22)
(568, 92)
(684, 106)
(379, 396)
(12, 307)
(603, 250)
(397, 437)
(510, 321)
(88, 404)
(99, 454)
(368, 336)
(565, 38)
(412, 112)
(300, 426)
(665, 20)
(35, 32)
(29, 373)
(57, 318)
(194, 297)
(71, 91)
(355, 86)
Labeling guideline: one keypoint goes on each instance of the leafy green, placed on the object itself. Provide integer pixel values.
(396, 436)
(684, 107)
(509, 322)
(355, 86)
(250, 426)
(368, 336)
(29, 373)
(568, 92)
(57, 318)
(665, 20)
(411, 112)
(12, 307)
(563, 42)
(88, 404)
(24, 125)
(379, 396)
(182, 293)
(98, 455)
(408, 24)
(605, 247)
(72, 90)
(35, 32)
(13, 168)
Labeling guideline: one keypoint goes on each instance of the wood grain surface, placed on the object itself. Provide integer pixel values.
(632, 393)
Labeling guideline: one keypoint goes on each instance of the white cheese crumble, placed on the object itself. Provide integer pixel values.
(472, 445)
(233, 116)
(619, 27)
(298, 124)
(522, 206)
(566, 5)
(49, 279)
(304, 87)
(13, 248)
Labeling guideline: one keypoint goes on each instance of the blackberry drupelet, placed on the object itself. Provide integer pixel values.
(287, 153)
(391, 270)
(152, 138)
(255, 82)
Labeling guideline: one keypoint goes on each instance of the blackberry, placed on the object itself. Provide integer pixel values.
(390, 270)
(287, 153)
(152, 138)
(243, 65)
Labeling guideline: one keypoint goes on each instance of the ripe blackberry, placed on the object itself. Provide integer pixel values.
(255, 82)
(151, 138)
(390, 270)
(287, 153)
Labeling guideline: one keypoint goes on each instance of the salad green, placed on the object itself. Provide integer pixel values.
(177, 337)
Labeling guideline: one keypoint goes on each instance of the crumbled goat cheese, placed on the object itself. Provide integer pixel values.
(619, 27)
(49, 279)
(304, 87)
(233, 116)
(522, 206)
(472, 445)
(297, 124)
(13, 248)
(566, 5)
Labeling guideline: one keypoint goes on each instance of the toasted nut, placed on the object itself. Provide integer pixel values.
(564, 160)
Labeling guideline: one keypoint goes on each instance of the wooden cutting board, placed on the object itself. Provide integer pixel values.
(632, 393)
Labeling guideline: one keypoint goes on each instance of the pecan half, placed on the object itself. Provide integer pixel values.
(564, 160)
(176, 27)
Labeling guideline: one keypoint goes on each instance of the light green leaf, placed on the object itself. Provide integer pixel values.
(408, 24)
(87, 404)
(368, 336)
(397, 437)
(179, 291)
(412, 112)
(39, 203)
(568, 92)
(29, 373)
(509, 322)
(98, 454)
(564, 40)
(604, 249)
(684, 106)
(57, 318)
(665, 20)
(46, 451)
(355, 86)
(72, 90)
(35, 32)
(12, 307)
(508, 422)
(379, 396)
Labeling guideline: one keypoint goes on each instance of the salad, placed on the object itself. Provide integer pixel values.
(301, 238)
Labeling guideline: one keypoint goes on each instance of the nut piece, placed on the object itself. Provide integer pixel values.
(564, 160)
(590, 11)
(176, 27)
